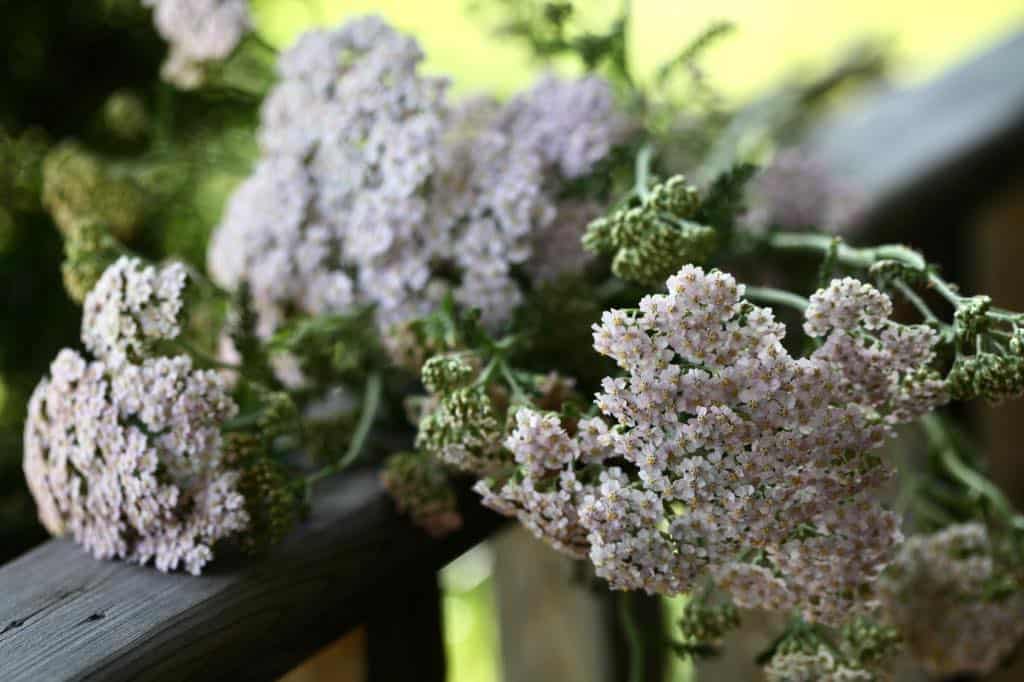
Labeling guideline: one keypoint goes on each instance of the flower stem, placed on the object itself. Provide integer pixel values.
(371, 405)
(643, 171)
(777, 296)
(859, 257)
(940, 440)
(633, 637)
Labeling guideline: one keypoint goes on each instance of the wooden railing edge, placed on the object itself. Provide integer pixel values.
(64, 615)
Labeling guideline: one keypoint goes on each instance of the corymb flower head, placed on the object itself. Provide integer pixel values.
(130, 464)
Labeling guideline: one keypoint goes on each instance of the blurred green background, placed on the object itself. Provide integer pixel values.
(773, 40)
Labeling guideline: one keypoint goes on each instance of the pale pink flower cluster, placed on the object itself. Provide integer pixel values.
(934, 592)
(132, 306)
(199, 31)
(751, 465)
(883, 363)
(546, 497)
(128, 460)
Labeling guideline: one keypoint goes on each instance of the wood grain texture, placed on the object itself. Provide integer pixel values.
(64, 615)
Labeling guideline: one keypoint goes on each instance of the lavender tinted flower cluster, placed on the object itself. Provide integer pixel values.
(374, 188)
(935, 593)
(199, 31)
(129, 463)
(132, 306)
(751, 465)
(124, 452)
(799, 191)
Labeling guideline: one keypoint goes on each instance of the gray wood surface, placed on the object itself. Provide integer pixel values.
(64, 615)
(934, 152)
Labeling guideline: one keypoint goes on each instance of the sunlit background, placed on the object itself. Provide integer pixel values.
(772, 41)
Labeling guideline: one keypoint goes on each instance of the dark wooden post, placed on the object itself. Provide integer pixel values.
(405, 637)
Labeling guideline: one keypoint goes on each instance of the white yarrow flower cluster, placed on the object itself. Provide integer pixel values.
(934, 593)
(128, 462)
(125, 452)
(373, 188)
(198, 31)
(751, 465)
(132, 306)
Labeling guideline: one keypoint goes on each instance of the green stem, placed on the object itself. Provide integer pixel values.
(371, 404)
(941, 441)
(643, 171)
(859, 257)
(633, 637)
(777, 296)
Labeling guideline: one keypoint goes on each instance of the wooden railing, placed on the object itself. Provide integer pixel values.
(64, 615)
(929, 156)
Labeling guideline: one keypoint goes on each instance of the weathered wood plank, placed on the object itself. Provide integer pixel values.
(933, 153)
(64, 615)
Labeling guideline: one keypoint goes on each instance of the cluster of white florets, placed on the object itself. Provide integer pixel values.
(751, 465)
(818, 666)
(799, 191)
(124, 452)
(199, 31)
(942, 593)
(375, 189)
(132, 306)
(129, 461)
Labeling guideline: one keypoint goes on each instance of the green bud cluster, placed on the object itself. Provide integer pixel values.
(992, 376)
(464, 430)
(272, 499)
(88, 251)
(279, 417)
(970, 318)
(708, 623)
(21, 160)
(650, 242)
(76, 185)
(869, 642)
(444, 373)
(422, 489)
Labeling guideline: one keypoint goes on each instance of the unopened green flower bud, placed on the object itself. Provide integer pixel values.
(124, 116)
(88, 251)
(969, 319)
(676, 197)
(77, 186)
(444, 373)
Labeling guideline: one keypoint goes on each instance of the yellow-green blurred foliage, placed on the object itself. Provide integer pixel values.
(773, 37)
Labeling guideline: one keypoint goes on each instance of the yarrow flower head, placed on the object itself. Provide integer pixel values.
(958, 606)
(751, 465)
(199, 31)
(132, 306)
(374, 188)
(130, 464)
(798, 191)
